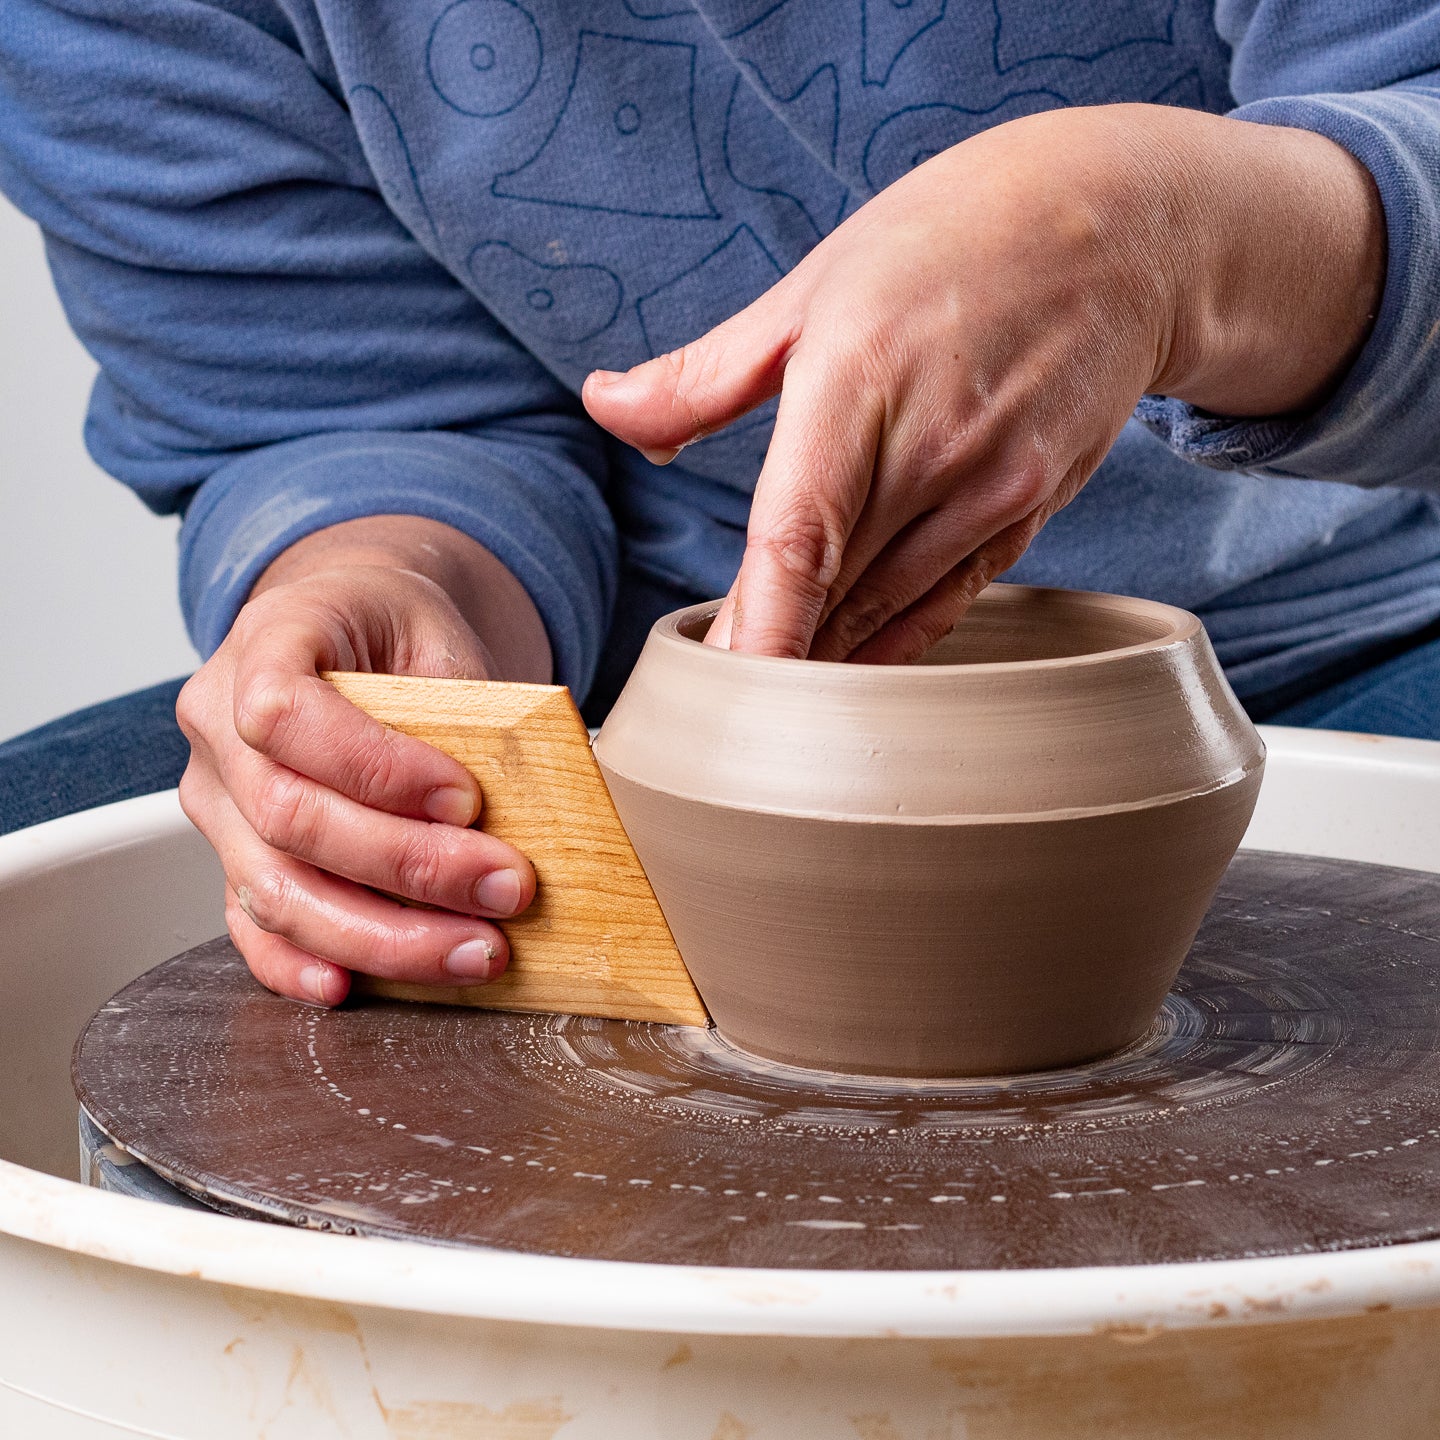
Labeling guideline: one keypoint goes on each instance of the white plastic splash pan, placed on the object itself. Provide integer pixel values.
(119, 1317)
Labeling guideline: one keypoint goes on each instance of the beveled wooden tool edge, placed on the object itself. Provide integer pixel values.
(595, 940)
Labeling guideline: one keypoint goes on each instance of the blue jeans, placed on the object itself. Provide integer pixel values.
(113, 751)
(132, 746)
(1397, 696)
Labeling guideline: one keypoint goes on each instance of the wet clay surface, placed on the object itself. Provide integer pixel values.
(1284, 1101)
(933, 949)
(988, 862)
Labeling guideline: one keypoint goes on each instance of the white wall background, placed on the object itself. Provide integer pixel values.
(87, 573)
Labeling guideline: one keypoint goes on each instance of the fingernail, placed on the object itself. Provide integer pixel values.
(450, 805)
(499, 892)
(472, 960)
(312, 982)
(605, 377)
(660, 457)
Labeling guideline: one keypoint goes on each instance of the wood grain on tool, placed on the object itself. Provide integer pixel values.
(594, 942)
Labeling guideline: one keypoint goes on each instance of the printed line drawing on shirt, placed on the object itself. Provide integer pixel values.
(754, 138)
(812, 109)
(734, 273)
(888, 30)
(658, 11)
(917, 133)
(1068, 32)
(368, 105)
(750, 13)
(1187, 90)
(484, 56)
(568, 303)
(627, 97)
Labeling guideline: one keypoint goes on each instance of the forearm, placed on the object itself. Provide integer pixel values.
(1276, 246)
(491, 600)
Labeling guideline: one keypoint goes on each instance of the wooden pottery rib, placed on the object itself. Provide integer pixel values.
(594, 942)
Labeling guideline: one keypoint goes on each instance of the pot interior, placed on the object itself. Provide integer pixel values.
(1014, 624)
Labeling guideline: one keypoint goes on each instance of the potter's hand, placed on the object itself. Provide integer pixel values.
(958, 357)
(309, 802)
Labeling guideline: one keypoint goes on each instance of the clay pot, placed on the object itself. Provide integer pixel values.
(990, 861)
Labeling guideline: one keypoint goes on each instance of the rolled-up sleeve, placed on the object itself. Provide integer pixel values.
(277, 352)
(1368, 78)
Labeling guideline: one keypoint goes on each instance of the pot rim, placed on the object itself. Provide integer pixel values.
(1182, 628)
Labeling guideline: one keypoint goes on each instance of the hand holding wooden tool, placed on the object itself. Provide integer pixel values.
(594, 941)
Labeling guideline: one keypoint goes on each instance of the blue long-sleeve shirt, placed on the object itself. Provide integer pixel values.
(338, 259)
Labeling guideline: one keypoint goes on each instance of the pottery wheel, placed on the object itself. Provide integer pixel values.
(1286, 1100)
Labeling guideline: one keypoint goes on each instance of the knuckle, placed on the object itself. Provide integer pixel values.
(690, 374)
(372, 760)
(392, 954)
(963, 586)
(926, 631)
(927, 623)
(1002, 552)
(189, 792)
(1022, 488)
(266, 897)
(807, 543)
(857, 619)
(283, 814)
(936, 621)
(189, 705)
(265, 710)
(419, 866)
(682, 367)
(947, 447)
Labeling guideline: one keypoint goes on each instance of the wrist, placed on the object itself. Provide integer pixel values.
(490, 599)
(1275, 261)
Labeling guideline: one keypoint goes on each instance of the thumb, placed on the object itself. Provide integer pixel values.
(664, 404)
